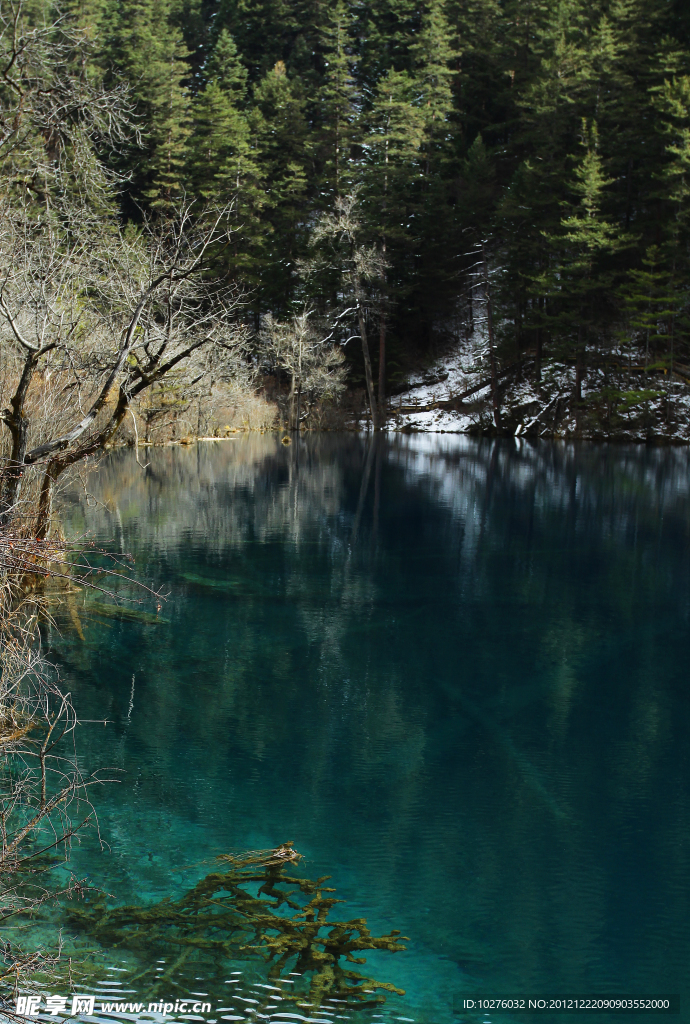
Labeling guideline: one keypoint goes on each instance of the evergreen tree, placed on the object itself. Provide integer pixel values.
(284, 154)
(394, 136)
(338, 101)
(435, 57)
(433, 54)
(222, 164)
(149, 49)
(579, 278)
(443, 116)
(651, 304)
(384, 31)
(673, 103)
(220, 149)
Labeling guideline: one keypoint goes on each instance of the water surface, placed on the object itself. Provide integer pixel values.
(454, 672)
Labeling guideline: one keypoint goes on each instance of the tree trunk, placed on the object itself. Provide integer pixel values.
(492, 351)
(18, 427)
(45, 502)
(382, 366)
(367, 360)
(579, 367)
(540, 341)
(291, 416)
(60, 463)
(299, 387)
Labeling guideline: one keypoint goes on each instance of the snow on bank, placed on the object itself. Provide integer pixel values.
(544, 409)
(445, 381)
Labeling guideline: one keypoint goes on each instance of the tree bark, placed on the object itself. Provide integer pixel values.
(57, 465)
(540, 341)
(492, 352)
(382, 366)
(60, 443)
(299, 388)
(18, 427)
(367, 359)
(291, 421)
(579, 366)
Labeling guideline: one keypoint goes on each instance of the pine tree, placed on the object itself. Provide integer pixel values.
(445, 114)
(654, 306)
(283, 153)
(220, 149)
(268, 31)
(435, 58)
(150, 51)
(673, 103)
(384, 31)
(394, 136)
(580, 278)
(222, 164)
(433, 55)
(337, 101)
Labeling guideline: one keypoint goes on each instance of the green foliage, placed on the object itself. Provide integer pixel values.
(284, 154)
(653, 304)
(578, 277)
(338, 101)
(150, 51)
(558, 131)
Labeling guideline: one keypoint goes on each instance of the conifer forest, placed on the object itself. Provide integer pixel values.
(373, 187)
(535, 150)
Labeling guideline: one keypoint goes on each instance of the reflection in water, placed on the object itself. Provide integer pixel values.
(454, 672)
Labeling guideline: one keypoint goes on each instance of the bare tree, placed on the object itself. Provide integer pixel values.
(49, 97)
(337, 239)
(44, 793)
(109, 313)
(312, 363)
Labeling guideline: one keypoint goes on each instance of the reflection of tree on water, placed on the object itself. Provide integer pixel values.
(244, 913)
(507, 649)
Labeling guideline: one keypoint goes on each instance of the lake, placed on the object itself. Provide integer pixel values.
(453, 672)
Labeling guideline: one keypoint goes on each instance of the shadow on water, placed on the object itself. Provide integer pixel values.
(454, 671)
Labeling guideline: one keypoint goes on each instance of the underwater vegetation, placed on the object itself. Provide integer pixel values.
(256, 909)
(124, 613)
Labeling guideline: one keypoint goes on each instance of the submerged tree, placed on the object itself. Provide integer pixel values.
(252, 907)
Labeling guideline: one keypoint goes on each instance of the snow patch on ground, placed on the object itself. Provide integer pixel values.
(439, 420)
(447, 379)
(535, 408)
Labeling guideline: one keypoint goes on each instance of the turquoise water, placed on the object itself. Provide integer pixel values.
(454, 672)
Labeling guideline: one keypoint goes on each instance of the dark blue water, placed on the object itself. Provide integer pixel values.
(455, 673)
